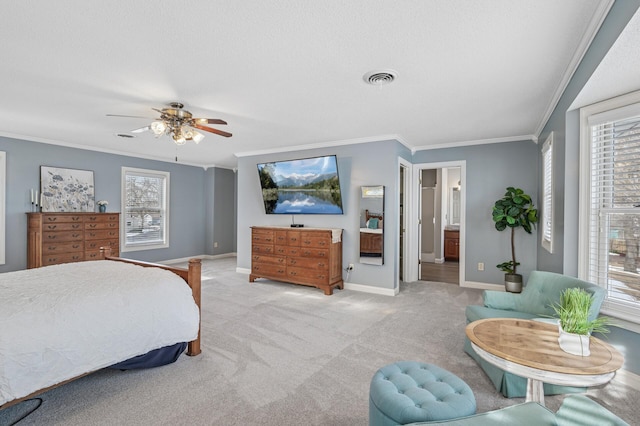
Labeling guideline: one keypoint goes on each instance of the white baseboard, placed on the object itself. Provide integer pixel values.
(439, 260)
(246, 271)
(199, 256)
(371, 289)
(483, 286)
(428, 257)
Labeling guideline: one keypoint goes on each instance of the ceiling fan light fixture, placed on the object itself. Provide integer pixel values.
(187, 132)
(197, 137)
(158, 127)
(179, 138)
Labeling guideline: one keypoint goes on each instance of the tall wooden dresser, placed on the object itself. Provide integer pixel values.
(306, 256)
(54, 238)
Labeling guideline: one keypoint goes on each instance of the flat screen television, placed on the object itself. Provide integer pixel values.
(304, 186)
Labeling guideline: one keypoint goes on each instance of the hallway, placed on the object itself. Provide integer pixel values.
(447, 272)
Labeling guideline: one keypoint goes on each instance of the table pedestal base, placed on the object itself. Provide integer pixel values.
(535, 391)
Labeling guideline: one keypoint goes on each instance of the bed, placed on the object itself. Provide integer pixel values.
(65, 321)
(371, 235)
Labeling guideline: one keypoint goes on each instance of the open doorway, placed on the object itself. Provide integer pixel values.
(440, 230)
(439, 233)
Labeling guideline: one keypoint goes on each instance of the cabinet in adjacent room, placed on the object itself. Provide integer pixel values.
(54, 238)
(451, 245)
(306, 256)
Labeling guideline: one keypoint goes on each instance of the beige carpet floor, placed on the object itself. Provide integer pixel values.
(280, 354)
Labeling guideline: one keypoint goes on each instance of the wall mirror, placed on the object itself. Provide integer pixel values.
(372, 225)
(454, 206)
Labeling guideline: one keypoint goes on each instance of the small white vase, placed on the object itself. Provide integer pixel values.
(575, 344)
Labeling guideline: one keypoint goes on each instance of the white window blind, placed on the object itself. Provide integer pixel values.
(145, 216)
(547, 194)
(614, 213)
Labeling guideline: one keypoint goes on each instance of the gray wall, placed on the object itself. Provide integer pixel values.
(490, 170)
(374, 163)
(187, 192)
(566, 127)
(223, 212)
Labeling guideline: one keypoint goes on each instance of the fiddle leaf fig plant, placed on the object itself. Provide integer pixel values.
(514, 210)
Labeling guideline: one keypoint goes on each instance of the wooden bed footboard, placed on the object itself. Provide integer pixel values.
(192, 277)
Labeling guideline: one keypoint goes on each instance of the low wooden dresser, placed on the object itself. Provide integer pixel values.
(306, 256)
(54, 238)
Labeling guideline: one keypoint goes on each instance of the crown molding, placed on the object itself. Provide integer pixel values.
(594, 26)
(99, 149)
(328, 144)
(533, 138)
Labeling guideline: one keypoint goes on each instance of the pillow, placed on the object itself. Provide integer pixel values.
(372, 223)
(380, 224)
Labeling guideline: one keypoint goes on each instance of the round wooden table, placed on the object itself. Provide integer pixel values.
(530, 349)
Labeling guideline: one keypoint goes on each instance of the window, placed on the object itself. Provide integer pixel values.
(610, 204)
(547, 194)
(145, 200)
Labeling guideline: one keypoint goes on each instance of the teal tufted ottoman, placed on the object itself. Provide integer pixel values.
(408, 392)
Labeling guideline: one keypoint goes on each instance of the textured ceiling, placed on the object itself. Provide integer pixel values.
(286, 73)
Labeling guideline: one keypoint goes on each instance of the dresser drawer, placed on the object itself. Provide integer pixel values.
(307, 276)
(260, 236)
(54, 259)
(293, 238)
(310, 263)
(273, 260)
(314, 252)
(270, 270)
(101, 234)
(315, 240)
(96, 244)
(102, 218)
(262, 249)
(281, 237)
(54, 218)
(281, 250)
(48, 237)
(101, 225)
(62, 226)
(96, 255)
(67, 247)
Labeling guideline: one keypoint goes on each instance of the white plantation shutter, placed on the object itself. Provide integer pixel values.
(614, 210)
(547, 194)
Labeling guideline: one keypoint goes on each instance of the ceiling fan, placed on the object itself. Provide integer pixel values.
(179, 124)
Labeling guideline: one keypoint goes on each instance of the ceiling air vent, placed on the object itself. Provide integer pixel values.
(380, 77)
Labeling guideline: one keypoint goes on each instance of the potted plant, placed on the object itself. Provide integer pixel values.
(574, 326)
(512, 211)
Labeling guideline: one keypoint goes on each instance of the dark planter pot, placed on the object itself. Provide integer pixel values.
(513, 283)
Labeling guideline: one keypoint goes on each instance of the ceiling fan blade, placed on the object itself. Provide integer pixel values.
(212, 130)
(127, 116)
(209, 121)
(141, 129)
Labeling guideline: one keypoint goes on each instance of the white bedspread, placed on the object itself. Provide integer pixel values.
(61, 321)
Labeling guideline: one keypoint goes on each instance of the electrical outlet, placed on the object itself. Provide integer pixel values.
(215, 244)
(480, 266)
(350, 267)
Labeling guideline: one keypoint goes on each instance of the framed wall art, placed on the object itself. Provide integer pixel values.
(66, 190)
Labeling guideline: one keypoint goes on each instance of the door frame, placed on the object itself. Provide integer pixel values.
(412, 256)
(407, 204)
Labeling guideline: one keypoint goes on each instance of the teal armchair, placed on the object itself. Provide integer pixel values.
(543, 289)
